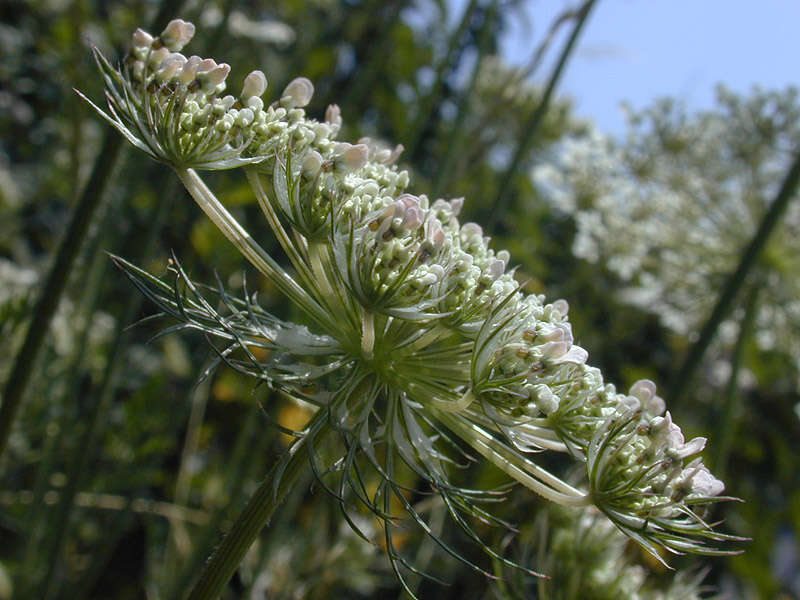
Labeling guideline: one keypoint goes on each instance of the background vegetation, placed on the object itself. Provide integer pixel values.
(121, 469)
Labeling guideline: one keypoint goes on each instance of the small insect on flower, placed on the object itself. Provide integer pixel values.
(421, 346)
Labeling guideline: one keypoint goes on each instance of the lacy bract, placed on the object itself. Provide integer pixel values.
(424, 342)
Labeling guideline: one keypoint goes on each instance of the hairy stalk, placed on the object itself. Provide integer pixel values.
(736, 280)
(527, 473)
(732, 407)
(262, 504)
(257, 256)
(532, 126)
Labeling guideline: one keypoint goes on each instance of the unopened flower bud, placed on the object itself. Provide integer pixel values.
(298, 93)
(189, 70)
(213, 77)
(312, 163)
(170, 66)
(142, 39)
(255, 84)
(177, 34)
(157, 57)
(333, 116)
(351, 157)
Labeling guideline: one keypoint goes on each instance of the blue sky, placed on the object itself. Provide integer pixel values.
(638, 50)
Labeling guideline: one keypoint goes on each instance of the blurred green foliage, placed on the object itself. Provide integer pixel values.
(170, 460)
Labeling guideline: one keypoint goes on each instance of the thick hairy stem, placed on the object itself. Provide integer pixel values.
(260, 508)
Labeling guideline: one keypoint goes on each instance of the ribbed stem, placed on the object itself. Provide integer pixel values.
(532, 126)
(735, 282)
(518, 467)
(251, 250)
(260, 508)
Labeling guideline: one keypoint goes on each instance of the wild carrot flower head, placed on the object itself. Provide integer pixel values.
(670, 209)
(420, 347)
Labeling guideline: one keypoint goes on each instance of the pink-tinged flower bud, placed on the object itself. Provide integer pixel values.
(333, 116)
(312, 163)
(255, 84)
(189, 70)
(435, 234)
(456, 204)
(170, 66)
(351, 157)
(177, 34)
(157, 57)
(213, 77)
(298, 93)
(142, 39)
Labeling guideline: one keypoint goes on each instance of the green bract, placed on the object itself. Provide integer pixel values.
(423, 345)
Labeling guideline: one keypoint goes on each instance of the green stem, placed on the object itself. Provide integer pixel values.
(453, 144)
(736, 280)
(532, 126)
(260, 508)
(730, 411)
(98, 406)
(432, 100)
(250, 249)
(61, 268)
(55, 284)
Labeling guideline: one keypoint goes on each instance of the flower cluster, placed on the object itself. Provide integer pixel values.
(424, 333)
(670, 208)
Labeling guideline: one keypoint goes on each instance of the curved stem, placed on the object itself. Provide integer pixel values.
(260, 508)
(518, 467)
(251, 250)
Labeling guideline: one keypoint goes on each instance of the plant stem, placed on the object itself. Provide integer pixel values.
(532, 126)
(736, 280)
(453, 143)
(57, 277)
(55, 283)
(260, 508)
(433, 99)
(251, 250)
(730, 411)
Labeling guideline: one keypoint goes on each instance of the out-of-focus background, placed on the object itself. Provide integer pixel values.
(121, 468)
